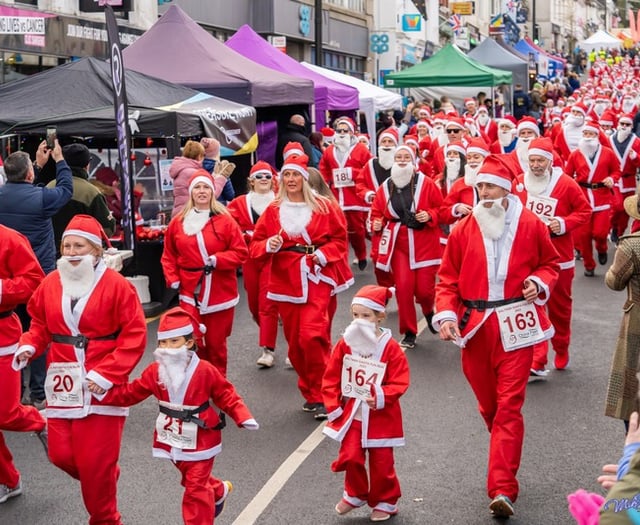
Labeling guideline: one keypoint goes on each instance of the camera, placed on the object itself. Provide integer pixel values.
(412, 222)
(51, 138)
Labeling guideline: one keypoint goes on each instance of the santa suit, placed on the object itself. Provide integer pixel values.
(459, 193)
(563, 200)
(590, 176)
(497, 148)
(203, 382)
(475, 268)
(489, 132)
(341, 176)
(208, 261)
(566, 140)
(627, 185)
(303, 289)
(413, 255)
(111, 319)
(367, 183)
(20, 274)
(361, 429)
(255, 275)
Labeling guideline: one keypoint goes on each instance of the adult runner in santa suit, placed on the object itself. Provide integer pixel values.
(20, 274)
(91, 319)
(497, 271)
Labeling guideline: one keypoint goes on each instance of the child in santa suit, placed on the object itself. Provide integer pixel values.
(366, 375)
(187, 430)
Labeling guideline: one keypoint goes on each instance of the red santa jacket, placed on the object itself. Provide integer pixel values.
(605, 164)
(381, 427)
(342, 176)
(424, 244)
(219, 244)
(570, 208)
(628, 165)
(469, 270)
(110, 316)
(459, 193)
(489, 132)
(20, 275)
(203, 382)
(240, 209)
(367, 182)
(290, 270)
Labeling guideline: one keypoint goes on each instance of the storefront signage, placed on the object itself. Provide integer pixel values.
(462, 8)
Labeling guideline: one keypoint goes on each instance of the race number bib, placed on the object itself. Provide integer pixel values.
(519, 325)
(385, 240)
(543, 207)
(343, 178)
(359, 375)
(63, 385)
(176, 433)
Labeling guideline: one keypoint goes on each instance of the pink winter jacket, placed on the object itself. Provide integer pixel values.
(181, 171)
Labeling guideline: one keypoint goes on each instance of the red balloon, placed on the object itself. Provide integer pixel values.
(147, 161)
(149, 142)
(133, 156)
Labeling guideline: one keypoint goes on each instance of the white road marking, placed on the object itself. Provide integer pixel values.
(262, 499)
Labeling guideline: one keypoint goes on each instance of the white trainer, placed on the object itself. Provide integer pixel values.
(8, 492)
(267, 358)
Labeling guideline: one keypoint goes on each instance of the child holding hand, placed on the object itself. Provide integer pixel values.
(187, 430)
(365, 377)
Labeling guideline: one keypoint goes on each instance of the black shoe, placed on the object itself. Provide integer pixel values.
(429, 318)
(602, 258)
(578, 255)
(362, 264)
(43, 436)
(589, 273)
(321, 413)
(312, 407)
(614, 236)
(409, 340)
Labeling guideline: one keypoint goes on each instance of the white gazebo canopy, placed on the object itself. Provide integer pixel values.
(601, 40)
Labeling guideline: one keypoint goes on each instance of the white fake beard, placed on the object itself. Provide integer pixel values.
(453, 169)
(576, 122)
(172, 366)
(385, 157)
(491, 221)
(505, 137)
(78, 280)
(194, 221)
(294, 217)
(522, 150)
(483, 120)
(599, 109)
(536, 185)
(260, 201)
(588, 146)
(623, 134)
(361, 337)
(470, 175)
(438, 132)
(401, 176)
(342, 142)
(627, 107)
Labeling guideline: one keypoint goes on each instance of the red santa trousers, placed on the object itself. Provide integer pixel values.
(499, 381)
(378, 488)
(255, 277)
(357, 231)
(94, 463)
(559, 307)
(619, 217)
(306, 328)
(13, 417)
(596, 229)
(201, 491)
(219, 326)
(412, 286)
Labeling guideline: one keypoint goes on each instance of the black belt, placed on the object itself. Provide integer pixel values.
(307, 249)
(188, 415)
(8, 313)
(205, 269)
(81, 341)
(592, 185)
(481, 306)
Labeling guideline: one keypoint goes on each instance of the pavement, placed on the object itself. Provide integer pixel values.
(281, 473)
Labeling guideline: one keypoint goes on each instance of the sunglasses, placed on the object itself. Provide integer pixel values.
(624, 125)
(454, 130)
(342, 131)
(259, 176)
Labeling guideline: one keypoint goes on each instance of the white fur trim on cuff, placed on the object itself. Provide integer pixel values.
(563, 226)
(441, 317)
(321, 257)
(175, 286)
(19, 365)
(99, 380)
(543, 290)
(332, 416)
(250, 424)
(379, 397)
(213, 260)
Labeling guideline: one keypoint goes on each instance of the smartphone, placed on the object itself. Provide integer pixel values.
(51, 138)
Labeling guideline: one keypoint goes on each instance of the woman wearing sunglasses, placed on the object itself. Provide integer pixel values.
(246, 210)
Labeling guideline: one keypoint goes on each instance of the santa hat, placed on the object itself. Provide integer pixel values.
(478, 145)
(373, 296)
(541, 146)
(292, 148)
(201, 176)
(411, 140)
(579, 106)
(528, 123)
(468, 101)
(591, 124)
(424, 110)
(349, 122)
(327, 134)
(422, 123)
(297, 163)
(178, 322)
(87, 227)
(405, 147)
(483, 109)
(211, 147)
(494, 171)
(391, 133)
(510, 120)
(439, 118)
(455, 146)
(608, 118)
(263, 168)
(627, 117)
(364, 137)
(454, 122)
